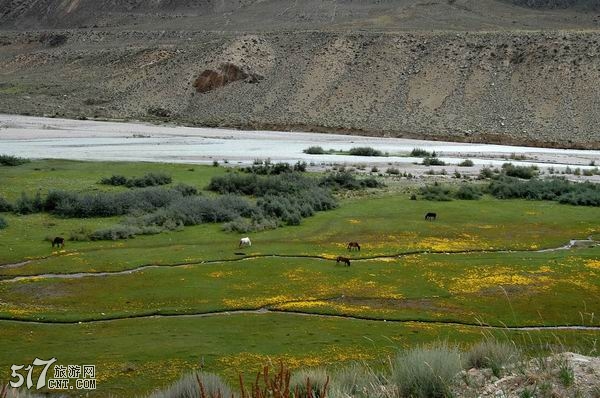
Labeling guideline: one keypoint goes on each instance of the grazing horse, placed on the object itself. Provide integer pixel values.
(430, 216)
(245, 242)
(345, 260)
(59, 241)
(353, 245)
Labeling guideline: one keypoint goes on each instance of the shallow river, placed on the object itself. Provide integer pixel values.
(37, 137)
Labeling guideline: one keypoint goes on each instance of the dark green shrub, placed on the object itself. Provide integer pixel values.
(8, 160)
(186, 190)
(436, 192)
(28, 205)
(466, 163)
(525, 172)
(365, 151)
(468, 192)
(429, 161)
(3, 223)
(314, 150)
(392, 171)
(486, 173)
(116, 180)
(419, 153)
(5, 205)
(148, 180)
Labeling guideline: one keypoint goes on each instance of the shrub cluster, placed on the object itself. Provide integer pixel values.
(365, 151)
(148, 180)
(437, 192)
(5, 205)
(420, 153)
(8, 160)
(346, 180)
(556, 189)
(265, 167)
(466, 163)
(433, 161)
(525, 172)
(314, 150)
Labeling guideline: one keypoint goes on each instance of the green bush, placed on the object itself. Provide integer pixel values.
(556, 189)
(314, 150)
(486, 173)
(466, 163)
(436, 192)
(5, 205)
(525, 172)
(29, 205)
(468, 192)
(148, 180)
(426, 372)
(392, 171)
(358, 381)
(8, 160)
(430, 161)
(419, 153)
(365, 151)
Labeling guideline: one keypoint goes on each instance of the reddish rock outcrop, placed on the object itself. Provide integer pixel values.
(227, 73)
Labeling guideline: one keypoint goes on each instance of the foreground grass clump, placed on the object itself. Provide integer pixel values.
(426, 372)
(492, 354)
(195, 385)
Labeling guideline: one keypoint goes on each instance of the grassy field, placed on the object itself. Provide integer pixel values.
(478, 263)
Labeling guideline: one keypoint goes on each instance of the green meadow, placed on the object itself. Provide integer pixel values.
(147, 309)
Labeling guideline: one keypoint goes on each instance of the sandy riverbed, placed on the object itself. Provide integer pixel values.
(36, 137)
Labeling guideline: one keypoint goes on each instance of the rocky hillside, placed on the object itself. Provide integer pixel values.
(490, 71)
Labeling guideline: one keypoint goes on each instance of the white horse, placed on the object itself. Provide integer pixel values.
(245, 242)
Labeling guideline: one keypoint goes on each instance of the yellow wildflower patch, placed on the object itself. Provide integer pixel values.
(352, 221)
(595, 264)
(220, 274)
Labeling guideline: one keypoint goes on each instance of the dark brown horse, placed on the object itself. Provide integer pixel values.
(353, 245)
(430, 216)
(59, 241)
(344, 260)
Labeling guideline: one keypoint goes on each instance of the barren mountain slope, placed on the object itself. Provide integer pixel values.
(473, 70)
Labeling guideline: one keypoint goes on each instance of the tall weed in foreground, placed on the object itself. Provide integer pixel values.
(426, 372)
(360, 381)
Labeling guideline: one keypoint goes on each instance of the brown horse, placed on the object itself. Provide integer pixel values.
(59, 241)
(353, 245)
(341, 259)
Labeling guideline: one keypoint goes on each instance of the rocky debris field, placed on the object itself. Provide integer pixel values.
(561, 375)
